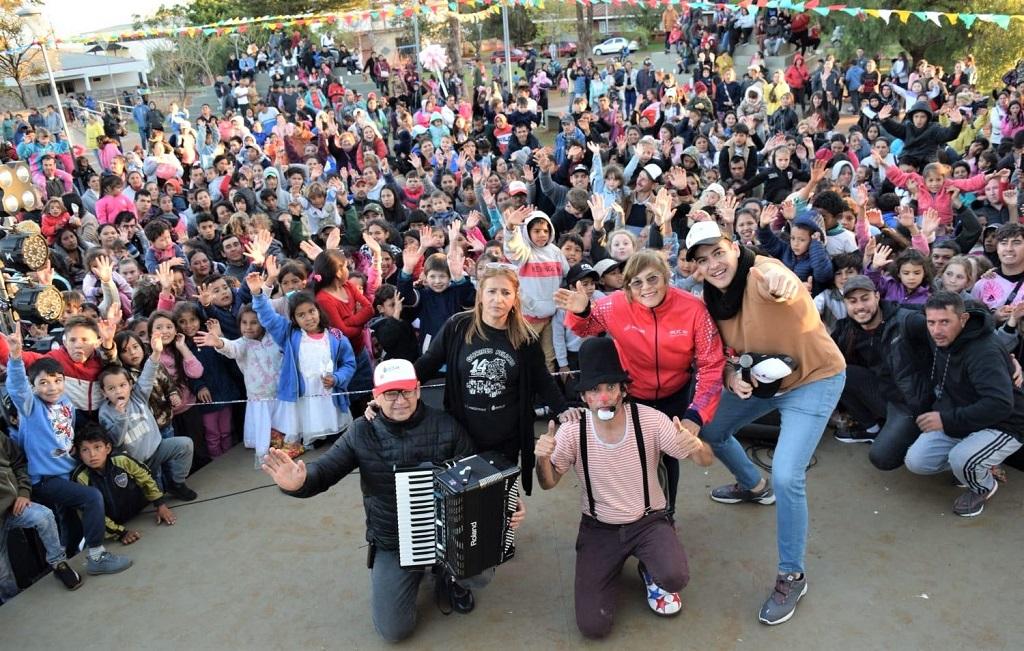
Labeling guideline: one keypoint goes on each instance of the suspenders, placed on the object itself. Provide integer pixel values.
(635, 413)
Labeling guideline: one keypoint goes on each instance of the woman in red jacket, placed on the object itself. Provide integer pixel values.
(661, 332)
(348, 310)
(797, 78)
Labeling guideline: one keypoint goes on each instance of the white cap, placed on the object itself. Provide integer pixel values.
(653, 170)
(715, 187)
(392, 374)
(517, 187)
(700, 234)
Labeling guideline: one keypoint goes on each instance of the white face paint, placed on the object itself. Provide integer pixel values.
(606, 413)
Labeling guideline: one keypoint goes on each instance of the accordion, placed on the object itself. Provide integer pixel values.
(458, 515)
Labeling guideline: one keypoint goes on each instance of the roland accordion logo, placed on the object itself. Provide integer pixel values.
(472, 534)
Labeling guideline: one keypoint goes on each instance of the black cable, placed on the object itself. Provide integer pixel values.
(755, 451)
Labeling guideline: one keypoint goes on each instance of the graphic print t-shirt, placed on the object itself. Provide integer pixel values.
(491, 394)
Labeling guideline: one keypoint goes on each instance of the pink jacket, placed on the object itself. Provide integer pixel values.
(940, 201)
(109, 206)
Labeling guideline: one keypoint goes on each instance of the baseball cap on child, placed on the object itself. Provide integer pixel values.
(394, 375)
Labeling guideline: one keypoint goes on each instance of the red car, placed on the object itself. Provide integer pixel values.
(517, 56)
(565, 49)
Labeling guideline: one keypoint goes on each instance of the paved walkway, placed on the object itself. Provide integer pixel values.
(890, 567)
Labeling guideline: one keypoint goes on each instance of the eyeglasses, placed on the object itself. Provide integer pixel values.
(639, 283)
(392, 396)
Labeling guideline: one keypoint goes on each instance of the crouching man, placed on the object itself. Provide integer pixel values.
(615, 449)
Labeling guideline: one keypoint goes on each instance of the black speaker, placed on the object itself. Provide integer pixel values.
(27, 555)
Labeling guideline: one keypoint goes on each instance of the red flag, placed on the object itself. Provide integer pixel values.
(811, 4)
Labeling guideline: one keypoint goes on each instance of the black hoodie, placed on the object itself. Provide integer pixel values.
(973, 382)
(920, 145)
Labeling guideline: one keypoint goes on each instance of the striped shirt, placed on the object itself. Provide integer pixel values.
(615, 472)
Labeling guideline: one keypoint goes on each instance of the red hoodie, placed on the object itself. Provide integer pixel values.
(658, 346)
(79, 379)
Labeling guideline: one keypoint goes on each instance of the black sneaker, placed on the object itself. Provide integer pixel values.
(734, 494)
(181, 491)
(71, 579)
(853, 435)
(462, 598)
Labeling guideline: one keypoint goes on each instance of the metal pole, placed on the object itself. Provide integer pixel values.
(56, 95)
(416, 38)
(508, 45)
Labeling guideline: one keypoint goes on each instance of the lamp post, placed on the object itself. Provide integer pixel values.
(26, 12)
(508, 44)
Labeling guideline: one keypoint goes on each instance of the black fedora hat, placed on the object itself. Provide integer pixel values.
(599, 364)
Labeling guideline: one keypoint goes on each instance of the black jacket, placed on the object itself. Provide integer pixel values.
(446, 348)
(376, 448)
(973, 381)
(14, 479)
(921, 145)
(873, 350)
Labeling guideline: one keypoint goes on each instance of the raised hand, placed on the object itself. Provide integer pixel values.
(528, 175)
(156, 344)
(907, 217)
(882, 256)
(570, 300)
(255, 282)
(456, 262)
(885, 112)
(598, 210)
(788, 210)
(930, 223)
(14, 342)
(256, 249)
(286, 472)
(371, 244)
(662, 207)
(310, 248)
(514, 217)
(165, 277)
(818, 172)
(333, 239)
(473, 220)
(272, 269)
(874, 217)
(396, 310)
(104, 269)
(768, 214)
(545, 445)
(108, 325)
(205, 295)
(1010, 196)
(859, 194)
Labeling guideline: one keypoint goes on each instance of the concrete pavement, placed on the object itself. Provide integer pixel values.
(889, 567)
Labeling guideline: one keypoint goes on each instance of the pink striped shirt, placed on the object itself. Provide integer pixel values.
(615, 472)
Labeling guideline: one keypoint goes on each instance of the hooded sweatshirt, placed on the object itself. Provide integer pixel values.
(541, 268)
(921, 144)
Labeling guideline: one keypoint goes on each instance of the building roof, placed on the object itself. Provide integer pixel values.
(78, 60)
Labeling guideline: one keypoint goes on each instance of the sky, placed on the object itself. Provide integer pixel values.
(71, 17)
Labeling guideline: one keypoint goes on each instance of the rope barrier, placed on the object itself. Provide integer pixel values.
(359, 392)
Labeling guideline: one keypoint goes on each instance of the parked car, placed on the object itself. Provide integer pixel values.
(565, 49)
(517, 56)
(615, 46)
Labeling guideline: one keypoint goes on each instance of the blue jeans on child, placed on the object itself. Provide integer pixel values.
(72, 496)
(805, 412)
(38, 517)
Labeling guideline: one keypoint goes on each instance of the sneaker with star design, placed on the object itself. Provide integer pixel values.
(662, 602)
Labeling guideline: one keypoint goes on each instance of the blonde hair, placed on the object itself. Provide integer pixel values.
(519, 331)
(970, 266)
(638, 262)
(623, 232)
(238, 224)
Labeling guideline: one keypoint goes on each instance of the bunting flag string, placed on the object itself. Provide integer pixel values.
(435, 9)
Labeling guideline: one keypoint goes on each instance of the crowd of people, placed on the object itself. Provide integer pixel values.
(834, 242)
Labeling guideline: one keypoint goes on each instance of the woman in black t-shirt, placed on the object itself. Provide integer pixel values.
(495, 369)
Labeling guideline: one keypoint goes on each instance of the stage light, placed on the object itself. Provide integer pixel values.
(18, 191)
(10, 203)
(23, 252)
(42, 303)
(6, 178)
(23, 173)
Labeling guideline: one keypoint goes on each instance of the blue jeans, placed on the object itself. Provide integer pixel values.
(805, 412)
(40, 518)
(72, 496)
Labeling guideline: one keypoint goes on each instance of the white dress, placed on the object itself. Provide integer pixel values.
(260, 363)
(315, 415)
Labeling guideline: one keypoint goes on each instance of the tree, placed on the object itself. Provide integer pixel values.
(19, 59)
(995, 50)
(584, 28)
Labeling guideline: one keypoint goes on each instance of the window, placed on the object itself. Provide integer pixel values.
(63, 87)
